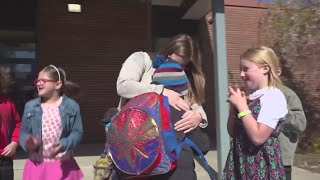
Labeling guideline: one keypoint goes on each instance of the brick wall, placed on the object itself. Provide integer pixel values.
(91, 46)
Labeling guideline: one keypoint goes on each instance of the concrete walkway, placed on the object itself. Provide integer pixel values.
(87, 154)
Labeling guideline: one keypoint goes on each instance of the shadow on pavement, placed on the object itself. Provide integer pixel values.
(214, 172)
(81, 150)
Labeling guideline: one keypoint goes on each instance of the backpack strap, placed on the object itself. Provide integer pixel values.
(204, 161)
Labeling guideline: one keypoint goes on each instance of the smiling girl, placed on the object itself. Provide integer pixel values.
(255, 122)
(51, 129)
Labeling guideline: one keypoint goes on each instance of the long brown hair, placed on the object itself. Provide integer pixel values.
(69, 88)
(5, 81)
(184, 45)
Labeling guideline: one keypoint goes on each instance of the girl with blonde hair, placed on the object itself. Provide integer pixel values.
(255, 122)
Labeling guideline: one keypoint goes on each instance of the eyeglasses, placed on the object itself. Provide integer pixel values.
(41, 82)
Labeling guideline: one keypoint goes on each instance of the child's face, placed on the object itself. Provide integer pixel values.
(253, 75)
(183, 61)
(46, 85)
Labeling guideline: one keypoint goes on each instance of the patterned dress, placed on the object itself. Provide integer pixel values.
(247, 161)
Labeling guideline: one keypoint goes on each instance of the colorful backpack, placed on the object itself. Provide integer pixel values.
(141, 139)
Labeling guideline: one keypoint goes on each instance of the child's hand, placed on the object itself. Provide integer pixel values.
(56, 148)
(31, 143)
(10, 149)
(238, 98)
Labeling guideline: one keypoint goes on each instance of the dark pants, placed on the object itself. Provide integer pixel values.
(185, 164)
(6, 168)
(199, 137)
(288, 170)
(185, 168)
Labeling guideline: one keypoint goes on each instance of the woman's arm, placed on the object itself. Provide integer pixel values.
(135, 78)
(133, 69)
(191, 119)
(199, 109)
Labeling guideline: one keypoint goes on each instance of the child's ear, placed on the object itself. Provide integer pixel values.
(266, 68)
(59, 85)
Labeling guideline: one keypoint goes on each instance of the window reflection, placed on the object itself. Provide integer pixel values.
(19, 59)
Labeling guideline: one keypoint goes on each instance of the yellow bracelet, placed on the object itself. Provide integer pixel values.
(243, 114)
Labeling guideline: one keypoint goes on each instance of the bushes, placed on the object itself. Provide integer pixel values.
(294, 30)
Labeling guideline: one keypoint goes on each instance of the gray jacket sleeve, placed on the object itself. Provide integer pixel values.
(135, 79)
(295, 120)
(134, 69)
(199, 109)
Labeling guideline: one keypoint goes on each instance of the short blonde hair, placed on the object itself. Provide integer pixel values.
(265, 56)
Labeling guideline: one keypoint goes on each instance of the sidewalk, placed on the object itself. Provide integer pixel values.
(87, 154)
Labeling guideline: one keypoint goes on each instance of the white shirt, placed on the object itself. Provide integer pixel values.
(273, 106)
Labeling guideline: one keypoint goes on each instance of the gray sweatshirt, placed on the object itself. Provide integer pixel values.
(294, 124)
(135, 78)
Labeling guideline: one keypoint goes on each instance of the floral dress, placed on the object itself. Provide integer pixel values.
(247, 161)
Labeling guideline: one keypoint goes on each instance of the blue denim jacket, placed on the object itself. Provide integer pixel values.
(70, 120)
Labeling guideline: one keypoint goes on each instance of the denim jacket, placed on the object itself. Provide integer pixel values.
(70, 120)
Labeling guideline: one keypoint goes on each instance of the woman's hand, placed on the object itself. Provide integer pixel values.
(238, 99)
(175, 100)
(10, 149)
(190, 120)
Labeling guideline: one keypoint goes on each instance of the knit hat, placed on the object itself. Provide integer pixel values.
(172, 76)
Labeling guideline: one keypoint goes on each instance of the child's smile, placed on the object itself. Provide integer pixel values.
(254, 76)
(45, 85)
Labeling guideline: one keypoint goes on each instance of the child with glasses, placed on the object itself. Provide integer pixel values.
(10, 123)
(52, 128)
